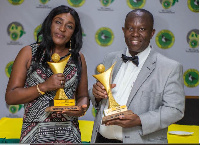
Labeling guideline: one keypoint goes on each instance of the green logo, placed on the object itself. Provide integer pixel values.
(193, 5)
(36, 31)
(106, 3)
(76, 3)
(15, 30)
(83, 34)
(8, 68)
(15, 2)
(191, 78)
(135, 4)
(104, 36)
(14, 108)
(165, 39)
(94, 112)
(166, 4)
(44, 1)
(193, 38)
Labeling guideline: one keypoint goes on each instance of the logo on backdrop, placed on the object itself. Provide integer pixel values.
(191, 78)
(135, 4)
(104, 36)
(76, 3)
(166, 5)
(94, 112)
(15, 31)
(165, 39)
(44, 1)
(13, 109)
(16, 2)
(193, 5)
(43, 4)
(193, 41)
(83, 34)
(36, 31)
(8, 68)
(106, 5)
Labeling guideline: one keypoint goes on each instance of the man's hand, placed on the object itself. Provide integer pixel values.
(99, 91)
(125, 121)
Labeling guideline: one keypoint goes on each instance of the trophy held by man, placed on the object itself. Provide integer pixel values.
(61, 102)
(114, 109)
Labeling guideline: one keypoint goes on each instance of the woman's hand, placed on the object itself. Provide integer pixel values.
(54, 82)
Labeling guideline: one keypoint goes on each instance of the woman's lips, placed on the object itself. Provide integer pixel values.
(59, 35)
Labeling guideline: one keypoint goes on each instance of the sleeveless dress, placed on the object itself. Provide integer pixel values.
(45, 127)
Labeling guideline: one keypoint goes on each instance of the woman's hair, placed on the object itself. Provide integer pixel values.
(46, 47)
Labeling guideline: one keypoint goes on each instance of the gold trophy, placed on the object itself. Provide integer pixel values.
(61, 102)
(114, 109)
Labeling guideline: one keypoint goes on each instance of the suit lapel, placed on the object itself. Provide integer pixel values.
(118, 64)
(145, 72)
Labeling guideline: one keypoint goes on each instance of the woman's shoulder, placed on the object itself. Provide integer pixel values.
(81, 54)
(82, 57)
(26, 49)
(29, 50)
(32, 47)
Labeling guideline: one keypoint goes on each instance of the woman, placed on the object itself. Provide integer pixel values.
(33, 83)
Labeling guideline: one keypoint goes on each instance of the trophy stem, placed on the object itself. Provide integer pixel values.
(112, 102)
(60, 95)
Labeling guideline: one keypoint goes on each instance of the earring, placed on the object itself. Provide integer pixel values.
(70, 45)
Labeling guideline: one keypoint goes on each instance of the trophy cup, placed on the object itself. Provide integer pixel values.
(61, 102)
(114, 109)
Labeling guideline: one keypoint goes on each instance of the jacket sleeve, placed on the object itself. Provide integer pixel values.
(92, 98)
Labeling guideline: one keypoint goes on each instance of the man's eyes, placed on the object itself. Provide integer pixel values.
(131, 29)
(142, 29)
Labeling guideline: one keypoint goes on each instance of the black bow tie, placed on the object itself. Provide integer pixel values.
(134, 59)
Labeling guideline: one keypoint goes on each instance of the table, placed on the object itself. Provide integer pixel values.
(10, 129)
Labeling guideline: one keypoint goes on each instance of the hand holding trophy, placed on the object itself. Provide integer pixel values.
(114, 109)
(61, 102)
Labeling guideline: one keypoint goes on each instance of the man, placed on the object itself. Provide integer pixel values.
(153, 88)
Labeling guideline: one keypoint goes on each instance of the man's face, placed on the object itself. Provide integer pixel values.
(138, 31)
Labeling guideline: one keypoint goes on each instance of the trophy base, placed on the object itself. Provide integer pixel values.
(115, 116)
(62, 108)
(66, 102)
(115, 110)
(62, 105)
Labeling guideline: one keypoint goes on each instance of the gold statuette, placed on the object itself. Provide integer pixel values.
(114, 109)
(61, 102)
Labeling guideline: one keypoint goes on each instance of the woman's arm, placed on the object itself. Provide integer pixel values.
(82, 91)
(82, 97)
(15, 92)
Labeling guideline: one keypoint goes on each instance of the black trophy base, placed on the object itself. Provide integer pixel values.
(115, 116)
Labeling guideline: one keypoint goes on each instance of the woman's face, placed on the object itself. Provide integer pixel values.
(62, 28)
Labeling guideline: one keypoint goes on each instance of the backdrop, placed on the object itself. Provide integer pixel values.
(176, 24)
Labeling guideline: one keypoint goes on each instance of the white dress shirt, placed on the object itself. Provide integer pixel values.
(124, 81)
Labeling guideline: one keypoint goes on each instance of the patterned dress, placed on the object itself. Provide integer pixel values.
(45, 127)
